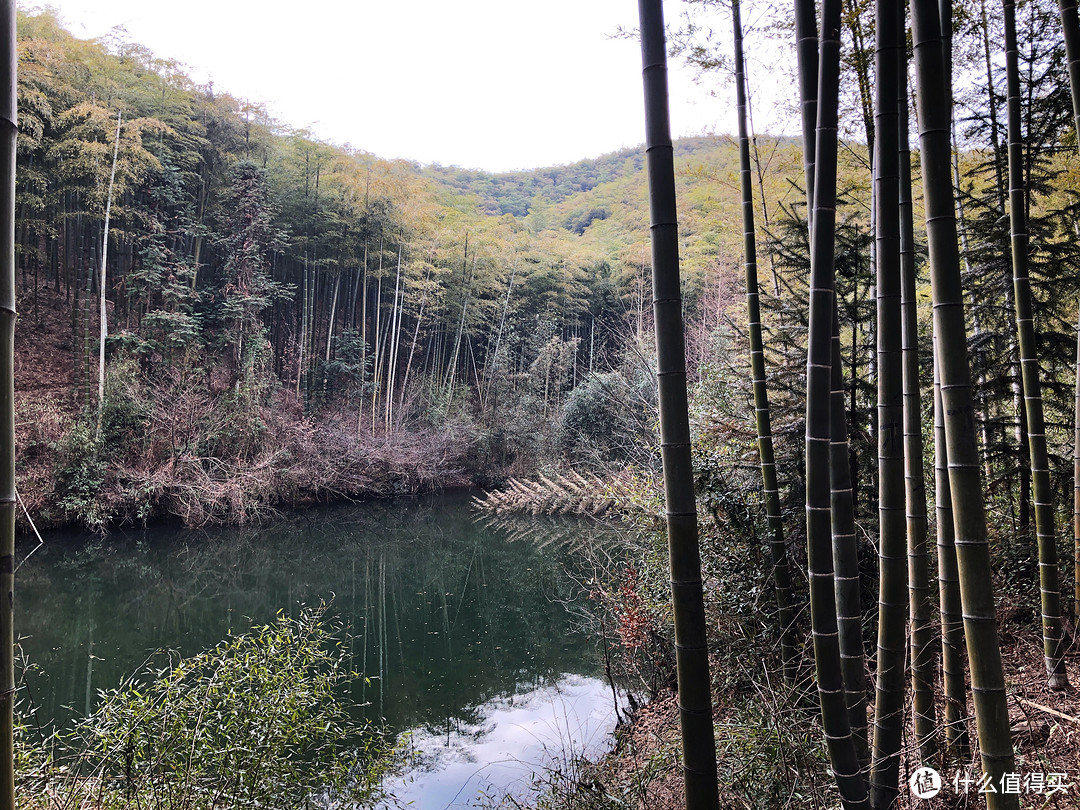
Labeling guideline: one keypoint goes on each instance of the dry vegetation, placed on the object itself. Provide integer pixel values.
(179, 449)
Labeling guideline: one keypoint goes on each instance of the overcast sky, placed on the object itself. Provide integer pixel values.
(490, 84)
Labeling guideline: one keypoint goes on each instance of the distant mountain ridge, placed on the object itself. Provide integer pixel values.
(515, 192)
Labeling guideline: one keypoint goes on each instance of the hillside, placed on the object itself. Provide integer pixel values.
(273, 271)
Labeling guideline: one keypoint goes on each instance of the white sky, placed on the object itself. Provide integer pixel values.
(490, 84)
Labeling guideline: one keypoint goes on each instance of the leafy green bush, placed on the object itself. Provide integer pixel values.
(609, 418)
(80, 472)
(84, 453)
(256, 721)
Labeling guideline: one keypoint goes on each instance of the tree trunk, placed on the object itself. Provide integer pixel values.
(969, 515)
(1015, 384)
(954, 682)
(820, 164)
(412, 349)
(1071, 26)
(8, 132)
(691, 651)
(1045, 531)
(498, 340)
(395, 337)
(103, 321)
(923, 659)
(892, 509)
(777, 546)
(845, 557)
(363, 340)
(330, 330)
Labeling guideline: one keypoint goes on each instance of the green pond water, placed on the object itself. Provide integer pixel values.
(470, 635)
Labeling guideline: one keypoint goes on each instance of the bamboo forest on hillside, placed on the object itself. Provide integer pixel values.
(761, 451)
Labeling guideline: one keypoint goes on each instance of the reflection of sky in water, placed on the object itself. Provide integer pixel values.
(515, 737)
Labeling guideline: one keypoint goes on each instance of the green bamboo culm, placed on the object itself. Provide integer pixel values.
(806, 51)
(1070, 23)
(954, 682)
(892, 505)
(845, 559)
(1045, 531)
(923, 658)
(969, 514)
(777, 547)
(9, 124)
(691, 651)
(1076, 483)
(821, 174)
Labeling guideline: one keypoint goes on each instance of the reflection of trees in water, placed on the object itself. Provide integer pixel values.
(562, 534)
(445, 614)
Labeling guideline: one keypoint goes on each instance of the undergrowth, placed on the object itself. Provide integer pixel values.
(257, 721)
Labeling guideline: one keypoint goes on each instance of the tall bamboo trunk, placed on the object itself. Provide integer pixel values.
(412, 352)
(330, 331)
(1021, 469)
(1071, 26)
(300, 340)
(969, 515)
(950, 608)
(103, 320)
(377, 348)
(691, 650)
(1076, 485)
(777, 545)
(845, 557)
(489, 362)
(1045, 531)
(8, 133)
(954, 681)
(395, 339)
(923, 658)
(452, 369)
(892, 507)
(945, 15)
(821, 167)
(806, 49)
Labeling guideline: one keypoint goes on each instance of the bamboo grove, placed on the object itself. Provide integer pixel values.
(974, 279)
(182, 238)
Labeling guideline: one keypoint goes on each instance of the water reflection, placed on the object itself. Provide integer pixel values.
(454, 624)
(512, 738)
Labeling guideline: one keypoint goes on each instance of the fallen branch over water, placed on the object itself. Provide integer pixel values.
(568, 494)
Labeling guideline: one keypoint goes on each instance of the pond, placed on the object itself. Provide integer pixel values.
(471, 635)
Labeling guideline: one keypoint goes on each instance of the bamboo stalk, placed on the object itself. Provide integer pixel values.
(845, 559)
(969, 515)
(781, 574)
(691, 650)
(821, 95)
(1070, 24)
(8, 133)
(103, 320)
(892, 510)
(1045, 530)
(923, 658)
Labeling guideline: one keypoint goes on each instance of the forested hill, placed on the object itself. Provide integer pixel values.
(518, 192)
(290, 293)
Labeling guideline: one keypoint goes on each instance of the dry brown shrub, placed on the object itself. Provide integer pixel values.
(288, 461)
